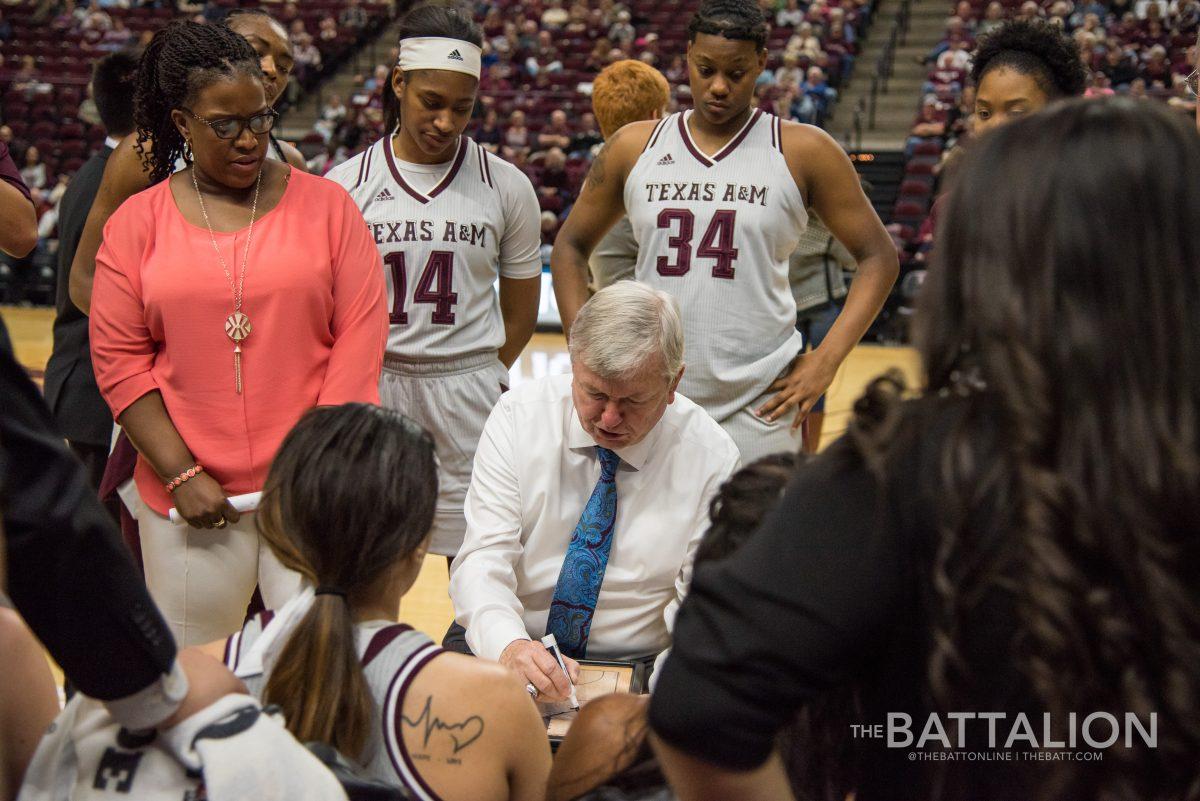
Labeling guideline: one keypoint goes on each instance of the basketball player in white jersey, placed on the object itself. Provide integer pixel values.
(446, 726)
(717, 198)
(449, 218)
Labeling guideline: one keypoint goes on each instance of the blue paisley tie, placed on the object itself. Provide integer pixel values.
(582, 572)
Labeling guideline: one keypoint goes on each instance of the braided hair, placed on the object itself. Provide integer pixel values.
(741, 20)
(1035, 48)
(180, 60)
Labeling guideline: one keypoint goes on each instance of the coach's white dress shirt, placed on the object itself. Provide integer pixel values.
(534, 471)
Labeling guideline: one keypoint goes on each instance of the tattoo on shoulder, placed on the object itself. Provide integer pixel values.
(462, 734)
(597, 172)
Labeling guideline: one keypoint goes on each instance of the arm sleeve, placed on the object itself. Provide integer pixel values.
(483, 582)
(521, 245)
(780, 620)
(69, 574)
(123, 349)
(360, 321)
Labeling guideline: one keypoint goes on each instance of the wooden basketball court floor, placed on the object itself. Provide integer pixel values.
(427, 606)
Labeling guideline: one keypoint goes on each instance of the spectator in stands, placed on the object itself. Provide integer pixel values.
(1142, 9)
(790, 15)
(955, 57)
(118, 37)
(27, 79)
(1020, 68)
(578, 24)
(993, 17)
(622, 30)
(494, 80)
(554, 187)
(332, 116)
(549, 227)
(586, 137)
(930, 123)
(557, 133)
(1117, 66)
(817, 97)
(804, 42)
(598, 58)
(1137, 89)
(34, 171)
(327, 30)
(1029, 10)
(353, 17)
(544, 57)
(790, 75)
(489, 133)
(289, 13)
(555, 16)
(516, 137)
(1157, 70)
(97, 18)
(308, 58)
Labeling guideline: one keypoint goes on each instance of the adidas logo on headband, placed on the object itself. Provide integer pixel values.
(440, 53)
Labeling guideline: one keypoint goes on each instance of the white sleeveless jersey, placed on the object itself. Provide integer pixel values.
(716, 232)
(443, 249)
(391, 655)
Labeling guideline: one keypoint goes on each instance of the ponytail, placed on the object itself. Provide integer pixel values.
(351, 493)
(318, 680)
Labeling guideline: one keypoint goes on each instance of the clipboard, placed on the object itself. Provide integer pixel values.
(597, 677)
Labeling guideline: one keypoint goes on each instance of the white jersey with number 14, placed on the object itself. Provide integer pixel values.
(446, 233)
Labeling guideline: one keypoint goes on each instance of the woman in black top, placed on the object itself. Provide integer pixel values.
(1020, 538)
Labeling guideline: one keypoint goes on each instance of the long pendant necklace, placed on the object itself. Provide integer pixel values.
(237, 324)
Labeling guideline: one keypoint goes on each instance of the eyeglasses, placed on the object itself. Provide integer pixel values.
(232, 127)
(1192, 82)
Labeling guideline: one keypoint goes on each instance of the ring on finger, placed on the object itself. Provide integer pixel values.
(221, 523)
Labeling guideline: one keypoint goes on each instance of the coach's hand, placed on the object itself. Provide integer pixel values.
(799, 387)
(536, 665)
(202, 503)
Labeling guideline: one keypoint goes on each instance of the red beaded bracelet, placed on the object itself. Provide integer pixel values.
(191, 472)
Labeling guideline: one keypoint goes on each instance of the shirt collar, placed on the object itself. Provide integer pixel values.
(111, 142)
(635, 455)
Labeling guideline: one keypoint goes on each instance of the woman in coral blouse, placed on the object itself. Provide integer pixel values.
(229, 298)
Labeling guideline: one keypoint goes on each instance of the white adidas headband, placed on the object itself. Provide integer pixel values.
(440, 53)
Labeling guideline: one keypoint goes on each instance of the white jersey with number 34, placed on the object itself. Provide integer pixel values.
(444, 246)
(716, 232)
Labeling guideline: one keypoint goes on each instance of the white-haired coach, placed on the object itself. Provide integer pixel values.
(589, 494)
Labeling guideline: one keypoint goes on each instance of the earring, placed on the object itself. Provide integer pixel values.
(187, 150)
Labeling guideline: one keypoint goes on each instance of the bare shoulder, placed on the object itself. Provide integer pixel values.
(126, 172)
(293, 155)
(614, 161)
(14, 633)
(806, 140)
(489, 681)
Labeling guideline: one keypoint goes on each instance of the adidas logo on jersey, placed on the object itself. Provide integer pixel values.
(455, 56)
(385, 195)
(665, 160)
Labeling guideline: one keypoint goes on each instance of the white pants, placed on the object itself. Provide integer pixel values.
(451, 400)
(202, 579)
(756, 438)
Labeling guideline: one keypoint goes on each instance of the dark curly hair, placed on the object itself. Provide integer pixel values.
(448, 22)
(180, 60)
(1035, 48)
(1069, 390)
(741, 20)
(740, 504)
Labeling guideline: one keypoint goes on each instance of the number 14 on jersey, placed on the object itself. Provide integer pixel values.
(435, 287)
